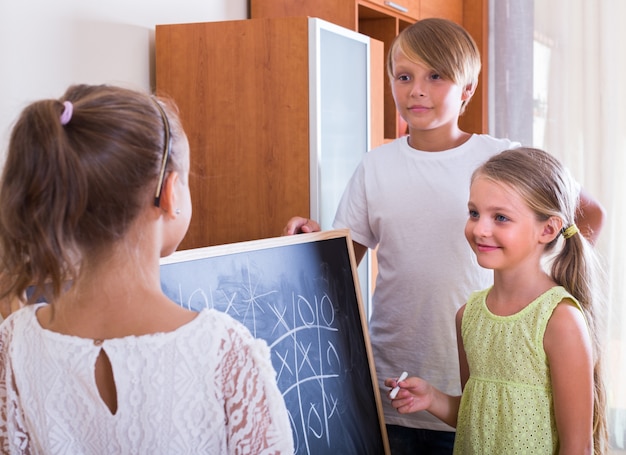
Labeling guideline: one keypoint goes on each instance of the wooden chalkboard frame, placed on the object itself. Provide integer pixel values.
(349, 418)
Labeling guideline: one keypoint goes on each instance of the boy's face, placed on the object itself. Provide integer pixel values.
(423, 98)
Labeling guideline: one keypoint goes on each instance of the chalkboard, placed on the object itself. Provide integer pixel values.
(299, 293)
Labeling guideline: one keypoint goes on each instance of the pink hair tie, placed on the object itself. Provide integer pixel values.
(66, 116)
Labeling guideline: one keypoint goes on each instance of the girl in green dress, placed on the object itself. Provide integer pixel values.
(529, 345)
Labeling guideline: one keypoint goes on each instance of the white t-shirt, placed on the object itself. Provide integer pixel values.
(413, 205)
(206, 388)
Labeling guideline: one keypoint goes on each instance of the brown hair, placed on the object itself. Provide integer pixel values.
(441, 45)
(72, 188)
(548, 189)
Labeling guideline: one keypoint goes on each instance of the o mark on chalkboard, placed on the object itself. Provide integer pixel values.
(314, 418)
(307, 317)
(190, 299)
(330, 309)
(331, 354)
(311, 315)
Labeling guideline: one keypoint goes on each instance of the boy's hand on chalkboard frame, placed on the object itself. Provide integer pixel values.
(300, 225)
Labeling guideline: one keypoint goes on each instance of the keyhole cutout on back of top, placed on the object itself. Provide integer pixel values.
(105, 381)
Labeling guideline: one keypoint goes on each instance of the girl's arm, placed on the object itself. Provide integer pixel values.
(569, 349)
(14, 435)
(463, 365)
(417, 394)
(257, 419)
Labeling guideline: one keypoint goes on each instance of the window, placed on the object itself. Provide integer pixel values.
(556, 82)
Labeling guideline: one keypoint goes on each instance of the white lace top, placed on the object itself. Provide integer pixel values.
(205, 388)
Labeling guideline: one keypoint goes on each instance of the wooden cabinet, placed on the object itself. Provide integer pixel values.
(383, 20)
(250, 99)
(410, 8)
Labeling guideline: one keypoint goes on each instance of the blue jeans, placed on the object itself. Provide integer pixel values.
(415, 441)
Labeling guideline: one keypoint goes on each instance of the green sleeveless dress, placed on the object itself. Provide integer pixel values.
(507, 405)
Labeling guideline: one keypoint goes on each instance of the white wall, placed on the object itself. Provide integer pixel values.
(46, 45)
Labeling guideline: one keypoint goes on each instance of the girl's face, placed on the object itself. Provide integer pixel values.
(503, 231)
(185, 194)
(423, 98)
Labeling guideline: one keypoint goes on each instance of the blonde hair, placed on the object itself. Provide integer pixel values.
(548, 189)
(443, 46)
(74, 181)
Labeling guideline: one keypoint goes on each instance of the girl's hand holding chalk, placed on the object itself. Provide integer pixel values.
(396, 389)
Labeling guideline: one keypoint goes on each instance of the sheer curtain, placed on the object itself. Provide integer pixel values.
(558, 82)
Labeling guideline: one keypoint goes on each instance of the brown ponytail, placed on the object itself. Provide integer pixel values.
(73, 182)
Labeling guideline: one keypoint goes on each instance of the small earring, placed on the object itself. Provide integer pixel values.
(177, 211)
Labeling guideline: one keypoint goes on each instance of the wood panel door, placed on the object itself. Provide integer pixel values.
(245, 109)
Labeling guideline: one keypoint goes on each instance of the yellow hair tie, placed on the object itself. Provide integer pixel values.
(570, 231)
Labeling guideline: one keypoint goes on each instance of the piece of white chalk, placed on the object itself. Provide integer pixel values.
(396, 389)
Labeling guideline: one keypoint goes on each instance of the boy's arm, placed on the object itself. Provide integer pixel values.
(359, 251)
(300, 225)
(568, 346)
(590, 216)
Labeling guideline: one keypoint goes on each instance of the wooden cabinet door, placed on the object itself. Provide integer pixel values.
(450, 9)
(340, 12)
(245, 108)
(408, 8)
